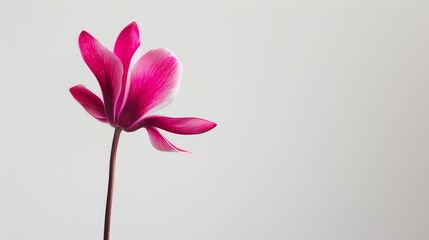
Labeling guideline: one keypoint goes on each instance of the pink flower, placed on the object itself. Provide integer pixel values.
(132, 93)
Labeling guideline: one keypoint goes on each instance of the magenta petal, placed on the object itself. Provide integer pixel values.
(160, 143)
(91, 102)
(126, 44)
(155, 81)
(106, 67)
(185, 125)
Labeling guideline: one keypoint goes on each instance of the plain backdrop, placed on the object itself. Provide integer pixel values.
(322, 112)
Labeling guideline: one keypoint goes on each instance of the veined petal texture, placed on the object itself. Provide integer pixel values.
(106, 67)
(155, 81)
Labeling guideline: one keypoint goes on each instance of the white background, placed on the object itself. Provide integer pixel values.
(322, 112)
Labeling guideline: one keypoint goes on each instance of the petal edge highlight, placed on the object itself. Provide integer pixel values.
(154, 83)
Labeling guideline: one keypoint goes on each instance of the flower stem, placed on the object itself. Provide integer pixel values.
(111, 183)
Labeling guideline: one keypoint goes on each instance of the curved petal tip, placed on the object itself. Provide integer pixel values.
(161, 143)
(89, 101)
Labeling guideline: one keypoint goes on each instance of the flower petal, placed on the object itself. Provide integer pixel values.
(155, 81)
(159, 142)
(126, 44)
(91, 102)
(106, 67)
(184, 125)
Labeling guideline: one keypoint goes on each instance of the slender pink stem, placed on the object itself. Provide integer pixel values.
(111, 183)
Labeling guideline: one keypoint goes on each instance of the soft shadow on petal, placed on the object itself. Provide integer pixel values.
(106, 67)
(161, 143)
(91, 102)
(126, 44)
(184, 125)
(155, 81)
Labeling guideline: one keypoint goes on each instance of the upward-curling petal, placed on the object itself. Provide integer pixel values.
(91, 102)
(106, 67)
(155, 81)
(125, 46)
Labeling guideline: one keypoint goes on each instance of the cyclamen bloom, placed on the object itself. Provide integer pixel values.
(132, 93)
